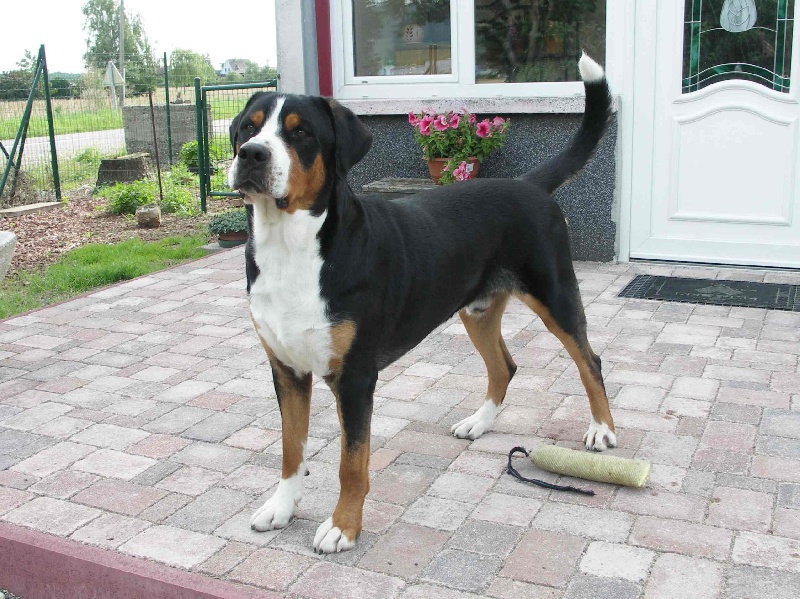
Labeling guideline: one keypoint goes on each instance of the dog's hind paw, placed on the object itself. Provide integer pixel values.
(474, 426)
(331, 539)
(599, 437)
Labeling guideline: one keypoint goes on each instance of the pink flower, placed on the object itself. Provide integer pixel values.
(413, 119)
(472, 119)
(424, 127)
(445, 168)
(455, 120)
(498, 122)
(461, 173)
(483, 129)
(440, 124)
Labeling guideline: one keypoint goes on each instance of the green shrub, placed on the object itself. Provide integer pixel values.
(188, 155)
(230, 221)
(217, 152)
(125, 198)
(91, 156)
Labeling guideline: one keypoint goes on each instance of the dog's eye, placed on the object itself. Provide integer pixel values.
(299, 132)
(250, 127)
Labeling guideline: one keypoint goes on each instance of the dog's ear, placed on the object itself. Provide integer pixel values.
(353, 139)
(234, 131)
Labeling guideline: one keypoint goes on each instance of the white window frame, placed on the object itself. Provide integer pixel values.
(461, 83)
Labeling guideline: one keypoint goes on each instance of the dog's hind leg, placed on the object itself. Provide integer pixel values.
(563, 316)
(483, 328)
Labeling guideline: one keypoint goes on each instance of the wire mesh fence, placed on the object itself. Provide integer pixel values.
(97, 129)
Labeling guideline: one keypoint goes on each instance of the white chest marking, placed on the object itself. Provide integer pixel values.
(285, 301)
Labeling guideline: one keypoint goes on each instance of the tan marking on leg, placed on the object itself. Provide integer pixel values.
(342, 336)
(583, 356)
(484, 332)
(294, 400)
(304, 184)
(257, 118)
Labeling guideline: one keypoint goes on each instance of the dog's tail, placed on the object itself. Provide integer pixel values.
(553, 173)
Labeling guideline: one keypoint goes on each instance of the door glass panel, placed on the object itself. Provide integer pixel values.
(536, 40)
(737, 39)
(401, 37)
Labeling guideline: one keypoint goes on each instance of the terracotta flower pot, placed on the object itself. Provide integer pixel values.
(436, 165)
(230, 240)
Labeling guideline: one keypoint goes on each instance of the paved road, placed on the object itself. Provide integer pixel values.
(37, 149)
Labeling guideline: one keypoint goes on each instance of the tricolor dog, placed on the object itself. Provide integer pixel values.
(342, 285)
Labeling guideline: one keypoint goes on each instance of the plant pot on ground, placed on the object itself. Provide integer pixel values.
(230, 227)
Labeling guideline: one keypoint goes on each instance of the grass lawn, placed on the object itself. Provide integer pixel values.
(77, 122)
(93, 266)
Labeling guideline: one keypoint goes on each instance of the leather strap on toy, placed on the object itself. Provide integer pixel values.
(539, 483)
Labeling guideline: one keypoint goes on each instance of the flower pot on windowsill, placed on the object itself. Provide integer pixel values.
(232, 239)
(436, 165)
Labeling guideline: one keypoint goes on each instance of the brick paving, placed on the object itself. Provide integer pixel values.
(142, 419)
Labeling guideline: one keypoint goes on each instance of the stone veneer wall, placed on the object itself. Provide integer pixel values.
(587, 200)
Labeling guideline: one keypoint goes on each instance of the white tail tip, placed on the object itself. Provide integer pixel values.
(590, 70)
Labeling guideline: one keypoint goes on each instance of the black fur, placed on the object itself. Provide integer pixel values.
(398, 269)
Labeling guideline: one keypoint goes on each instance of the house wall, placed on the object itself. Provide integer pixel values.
(587, 201)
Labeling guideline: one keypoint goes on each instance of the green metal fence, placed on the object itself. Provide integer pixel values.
(216, 106)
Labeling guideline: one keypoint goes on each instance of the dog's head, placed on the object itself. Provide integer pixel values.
(291, 150)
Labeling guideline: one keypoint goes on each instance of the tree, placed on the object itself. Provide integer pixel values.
(185, 65)
(257, 73)
(102, 44)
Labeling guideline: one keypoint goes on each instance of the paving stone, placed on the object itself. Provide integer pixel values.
(155, 473)
(225, 559)
(584, 521)
(691, 539)
(190, 480)
(217, 427)
(159, 511)
(786, 523)
(118, 496)
(238, 529)
(507, 509)
(740, 509)
(252, 438)
(209, 510)
(332, 581)
(404, 550)
(730, 436)
(740, 481)
(695, 388)
(16, 480)
(425, 461)
(178, 420)
(716, 460)
(681, 576)
(12, 498)
(52, 516)
(36, 416)
(109, 530)
(544, 557)
(789, 495)
(110, 436)
(114, 464)
(781, 423)
(736, 413)
(433, 512)
(748, 582)
(173, 546)
(63, 484)
(610, 560)
(754, 549)
(158, 446)
(53, 459)
(214, 457)
(504, 588)
(462, 570)
(401, 484)
(667, 448)
(466, 488)
(427, 444)
(487, 538)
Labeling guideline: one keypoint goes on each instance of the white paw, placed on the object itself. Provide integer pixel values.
(279, 509)
(474, 426)
(599, 437)
(330, 539)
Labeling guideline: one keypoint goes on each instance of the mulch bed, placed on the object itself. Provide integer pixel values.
(44, 236)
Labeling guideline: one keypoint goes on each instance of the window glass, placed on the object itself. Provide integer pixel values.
(536, 40)
(737, 39)
(401, 37)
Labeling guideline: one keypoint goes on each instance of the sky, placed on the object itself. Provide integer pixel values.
(218, 29)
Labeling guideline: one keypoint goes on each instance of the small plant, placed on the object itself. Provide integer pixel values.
(90, 156)
(189, 152)
(230, 221)
(125, 198)
(457, 136)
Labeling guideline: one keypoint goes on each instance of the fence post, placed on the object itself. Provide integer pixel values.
(50, 127)
(199, 110)
(166, 107)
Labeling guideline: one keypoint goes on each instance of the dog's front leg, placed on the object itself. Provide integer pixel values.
(294, 400)
(353, 390)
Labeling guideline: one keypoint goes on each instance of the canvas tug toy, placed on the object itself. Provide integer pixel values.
(581, 464)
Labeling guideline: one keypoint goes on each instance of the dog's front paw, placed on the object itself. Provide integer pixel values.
(277, 512)
(331, 539)
(599, 437)
(474, 426)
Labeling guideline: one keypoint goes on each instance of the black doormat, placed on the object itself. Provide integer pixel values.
(745, 294)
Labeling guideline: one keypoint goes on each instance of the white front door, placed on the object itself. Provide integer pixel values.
(715, 133)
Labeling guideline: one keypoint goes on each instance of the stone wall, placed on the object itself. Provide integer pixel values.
(139, 129)
(587, 200)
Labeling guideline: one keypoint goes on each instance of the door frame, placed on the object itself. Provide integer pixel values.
(638, 122)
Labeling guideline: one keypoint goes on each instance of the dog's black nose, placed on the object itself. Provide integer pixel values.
(254, 154)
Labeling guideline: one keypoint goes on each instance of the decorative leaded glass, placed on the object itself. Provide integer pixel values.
(737, 39)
